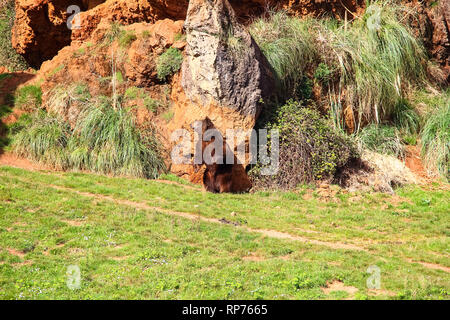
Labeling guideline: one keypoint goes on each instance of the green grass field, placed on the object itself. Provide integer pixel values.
(136, 238)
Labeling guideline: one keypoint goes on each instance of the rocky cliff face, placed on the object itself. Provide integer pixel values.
(224, 79)
(40, 30)
(223, 64)
(433, 26)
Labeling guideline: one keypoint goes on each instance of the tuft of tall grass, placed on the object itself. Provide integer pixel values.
(374, 58)
(104, 140)
(382, 139)
(42, 138)
(405, 117)
(28, 98)
(61, 98)
(435, 139)
(378, 57)
(107, 141)
(288, 44)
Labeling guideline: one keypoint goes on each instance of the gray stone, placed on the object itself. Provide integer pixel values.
(223, 65)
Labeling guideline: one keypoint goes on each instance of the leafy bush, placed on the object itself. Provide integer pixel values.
(310, 149)
(28, 98)
(8, 56)
(169, 63)
(104, 140)
(435, 138)
(382, 139)
(323, 73)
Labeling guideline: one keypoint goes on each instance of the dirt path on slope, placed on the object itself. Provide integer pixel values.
(191, 216)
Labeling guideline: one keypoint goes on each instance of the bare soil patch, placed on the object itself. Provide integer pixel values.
(11, 160)
(16, 253)
(340, 286)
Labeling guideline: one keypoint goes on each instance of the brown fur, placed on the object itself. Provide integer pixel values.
(218, 178)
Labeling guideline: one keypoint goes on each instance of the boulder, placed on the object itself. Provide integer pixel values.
(223, 64)
(225, 79)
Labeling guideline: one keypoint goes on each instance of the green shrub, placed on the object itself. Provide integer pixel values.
(169, 63)
(310, 149)
(8, 56)
(323, 73)
(126, 38)
(28, 97)
(435, 139)
(382, 139)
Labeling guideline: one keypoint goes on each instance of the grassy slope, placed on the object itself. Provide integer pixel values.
(130, 251)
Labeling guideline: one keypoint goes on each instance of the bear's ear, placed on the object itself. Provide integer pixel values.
(208, 180)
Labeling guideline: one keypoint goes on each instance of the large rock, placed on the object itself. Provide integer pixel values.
(223, 64)
(225, 79)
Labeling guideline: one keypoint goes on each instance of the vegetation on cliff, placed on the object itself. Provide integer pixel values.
(8, 56)
(367, 64)
(104, 140)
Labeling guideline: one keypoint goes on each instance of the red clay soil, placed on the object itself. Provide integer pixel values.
(9, 159)
(414, 162)
(9, 85)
